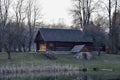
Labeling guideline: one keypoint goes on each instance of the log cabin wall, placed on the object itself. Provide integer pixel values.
(62, 46)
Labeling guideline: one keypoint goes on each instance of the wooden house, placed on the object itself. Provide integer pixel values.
(59, 39)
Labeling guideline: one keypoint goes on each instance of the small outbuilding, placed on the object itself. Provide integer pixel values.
(81, 52)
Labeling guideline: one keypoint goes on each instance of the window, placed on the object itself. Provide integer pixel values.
(51, 44)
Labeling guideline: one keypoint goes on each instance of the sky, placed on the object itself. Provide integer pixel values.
(55, 11)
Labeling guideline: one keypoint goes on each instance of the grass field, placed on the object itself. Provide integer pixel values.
(105, 61)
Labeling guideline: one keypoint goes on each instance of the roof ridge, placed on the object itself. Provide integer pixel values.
(60, 29)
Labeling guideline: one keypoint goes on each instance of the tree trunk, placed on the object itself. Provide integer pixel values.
(110, 28)
(99, 52)
(30, 45)
(9, 55)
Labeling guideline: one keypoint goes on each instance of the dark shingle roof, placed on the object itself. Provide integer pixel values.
(63, 35)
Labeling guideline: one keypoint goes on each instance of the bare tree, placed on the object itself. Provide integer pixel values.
(0, 25)
(13, 30)
(32, 12)
(20, 20)
(4, 10)
(97, 33)
(9, 38)
(114, 29)
(113, 36)
(82, 12)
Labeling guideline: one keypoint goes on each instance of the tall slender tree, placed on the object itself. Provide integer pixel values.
(113, 36)
(82, 12)
(4, 39)
(32, 12)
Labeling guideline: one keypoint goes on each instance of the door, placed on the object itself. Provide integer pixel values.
(42, 47)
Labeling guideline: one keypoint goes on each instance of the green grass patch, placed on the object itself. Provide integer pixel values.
(105, 61)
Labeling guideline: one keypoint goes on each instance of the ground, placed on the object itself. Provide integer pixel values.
(105, 61)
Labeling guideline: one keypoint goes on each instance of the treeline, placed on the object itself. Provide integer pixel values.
(105, 14)
(17, 24)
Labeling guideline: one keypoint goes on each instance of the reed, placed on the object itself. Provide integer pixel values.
(37, 69)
